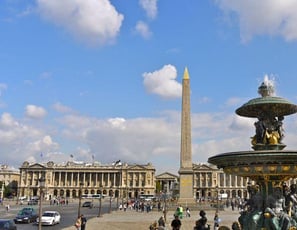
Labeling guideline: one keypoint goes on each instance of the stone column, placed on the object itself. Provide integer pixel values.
(90, 179)
(114, 179)
(59, 182)
(84, 179)
(71, 182)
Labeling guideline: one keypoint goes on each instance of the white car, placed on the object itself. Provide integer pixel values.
(50, 218)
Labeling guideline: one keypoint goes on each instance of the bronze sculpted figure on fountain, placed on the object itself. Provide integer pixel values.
(270, 205)
(269, 128)
(269, 131)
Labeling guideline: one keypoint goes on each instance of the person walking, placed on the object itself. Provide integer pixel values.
(188, 213)
(78, 223)
(161, 222)
(216, 221)
(83, 222)
(176, 223)
(201, 223)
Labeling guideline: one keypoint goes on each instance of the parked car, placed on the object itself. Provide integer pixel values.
(33, 202)
(50, 218)
(30, 209)
(26, 216)
(7, 224)
(87, 204)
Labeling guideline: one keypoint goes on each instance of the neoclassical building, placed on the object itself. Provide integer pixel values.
(67, 180)
(209, 180)
(8, 178)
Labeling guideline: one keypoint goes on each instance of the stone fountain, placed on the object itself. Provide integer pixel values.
(272, 204)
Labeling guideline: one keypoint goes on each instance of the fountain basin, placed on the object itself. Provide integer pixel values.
(268, 165)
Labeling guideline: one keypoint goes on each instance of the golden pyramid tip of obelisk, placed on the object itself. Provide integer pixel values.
(186, 74)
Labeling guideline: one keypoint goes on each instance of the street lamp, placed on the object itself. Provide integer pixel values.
(99, 213)
(79, 197)
(165, 202)
(217, 188)
(111, 195)
(2, 191)
(249, 189)
(216, 217)
(117, 194)
(41, 186)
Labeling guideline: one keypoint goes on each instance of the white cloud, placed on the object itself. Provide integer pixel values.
(43, 145)
(163, 82)
(233, 101)
(265, 17)
(62, 108)
(143, 29)
(46, 75)
(204, 100)
(2, 88)
(95, 22)
(117, 122)
(16, 140)
(150, 7)
(35, 112)
(133, 140)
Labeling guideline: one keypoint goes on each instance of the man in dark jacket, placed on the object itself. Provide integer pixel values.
(83, 222)
(176, 223)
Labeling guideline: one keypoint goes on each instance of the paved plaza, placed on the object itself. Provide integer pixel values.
(129, 220)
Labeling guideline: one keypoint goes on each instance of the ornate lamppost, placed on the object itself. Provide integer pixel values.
(111, 195)
(165, 202)
(217, 190)
(41, 186)
(249, 186)
(216, 217)
(2, 191)
(100, 203)
(79, 198)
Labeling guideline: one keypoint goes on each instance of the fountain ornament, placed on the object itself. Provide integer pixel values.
(270, 204)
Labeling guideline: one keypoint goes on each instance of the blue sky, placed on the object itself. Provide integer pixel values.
(102, 79)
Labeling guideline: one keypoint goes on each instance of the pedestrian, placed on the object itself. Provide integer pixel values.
(153, 226)
(161, 222)
(159, 206)
(201, 223)
(180, 212)
(78, 223)
(188, 213)
(236, 226)
(216, 221)
(176, 223)
(83, 222)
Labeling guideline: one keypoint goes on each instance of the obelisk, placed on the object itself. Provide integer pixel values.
(186, 195)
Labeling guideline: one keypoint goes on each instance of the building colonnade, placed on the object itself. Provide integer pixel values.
(68, 180)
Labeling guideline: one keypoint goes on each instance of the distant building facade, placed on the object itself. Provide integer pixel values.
(119, 180)
(209, 180)
(67, 180)
(9, 179)
(167, 183)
